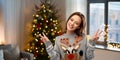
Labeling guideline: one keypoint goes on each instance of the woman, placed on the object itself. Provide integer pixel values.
(72, 45)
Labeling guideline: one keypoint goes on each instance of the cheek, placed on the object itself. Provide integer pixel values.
(68, 22)
(76, 26)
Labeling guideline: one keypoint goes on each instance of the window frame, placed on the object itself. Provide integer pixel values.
(102, 43)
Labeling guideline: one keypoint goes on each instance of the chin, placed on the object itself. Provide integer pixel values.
(70, 29)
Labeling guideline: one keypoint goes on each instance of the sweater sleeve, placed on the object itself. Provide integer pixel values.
(90, 47)
(53, 51)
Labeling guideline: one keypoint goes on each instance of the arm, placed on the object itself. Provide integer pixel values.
(90, 49)
(53, 51)
(90, 45)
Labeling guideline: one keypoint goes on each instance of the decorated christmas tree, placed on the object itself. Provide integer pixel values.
(45, 20)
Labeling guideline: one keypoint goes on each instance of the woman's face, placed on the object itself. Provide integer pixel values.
(73, 23)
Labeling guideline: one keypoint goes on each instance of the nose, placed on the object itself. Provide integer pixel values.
(72, 23)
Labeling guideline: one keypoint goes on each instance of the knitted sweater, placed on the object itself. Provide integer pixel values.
(70, 47)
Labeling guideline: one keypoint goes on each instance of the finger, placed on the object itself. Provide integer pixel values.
(100, 32)
(40, 35)
(41, 39)
(97, 32)
(43, 34)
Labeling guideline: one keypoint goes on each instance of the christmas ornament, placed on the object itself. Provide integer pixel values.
(38, 25)
(35, 54)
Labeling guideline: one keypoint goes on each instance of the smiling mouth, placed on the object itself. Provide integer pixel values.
(71, 27)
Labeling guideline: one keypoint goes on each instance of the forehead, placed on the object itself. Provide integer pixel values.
(76, 18)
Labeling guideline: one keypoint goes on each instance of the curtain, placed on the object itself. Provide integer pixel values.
(76, 5)
(17, 16)
(1, 26)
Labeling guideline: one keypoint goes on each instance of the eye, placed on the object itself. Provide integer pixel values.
(77, 23)
(71, 19)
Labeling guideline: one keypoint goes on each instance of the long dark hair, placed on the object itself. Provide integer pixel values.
(82, 25)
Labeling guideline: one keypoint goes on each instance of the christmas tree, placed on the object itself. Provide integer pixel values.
(45, 20)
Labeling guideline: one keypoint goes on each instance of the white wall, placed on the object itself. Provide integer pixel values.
(60, 5)
(101, 54)
(76, 5)
(2, 32)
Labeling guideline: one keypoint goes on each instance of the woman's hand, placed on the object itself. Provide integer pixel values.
(44, 38)
(97, 35)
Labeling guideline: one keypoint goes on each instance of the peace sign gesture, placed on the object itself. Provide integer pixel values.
(97, 35)
(44, 38)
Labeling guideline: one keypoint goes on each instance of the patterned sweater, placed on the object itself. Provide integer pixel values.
(71, 47)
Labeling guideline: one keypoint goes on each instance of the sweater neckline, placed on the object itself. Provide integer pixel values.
(72, 34)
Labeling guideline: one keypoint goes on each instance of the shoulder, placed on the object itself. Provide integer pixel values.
(59, 37)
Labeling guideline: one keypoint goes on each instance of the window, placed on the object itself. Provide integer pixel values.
(114, 24)
(96, 18)
(114, 21)
(105, 15)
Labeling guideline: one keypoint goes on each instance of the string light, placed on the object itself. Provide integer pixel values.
(42, 48)
(54, 21)
(33, 29)
(50, 11)
(32, 47)
(36, 40)
(41, 43)
(33, 25)
(54, 39)
(44, 10)
(36, 28)
(37, 15)
(54, 31)
(44, 30)
(37, 32)
(39, 28)
(55, 27)
(37, 51)
(46, 33)
(54, 24)
(35, 20)
(46, 26)
(51, 29)
(28, 49)
(50, 19)
(52, 34)
(36, 48)
(42, 19)
(34, 57)
(47, 21)
(48, 56)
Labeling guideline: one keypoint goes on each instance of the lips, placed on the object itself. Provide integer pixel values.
(70, 26)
